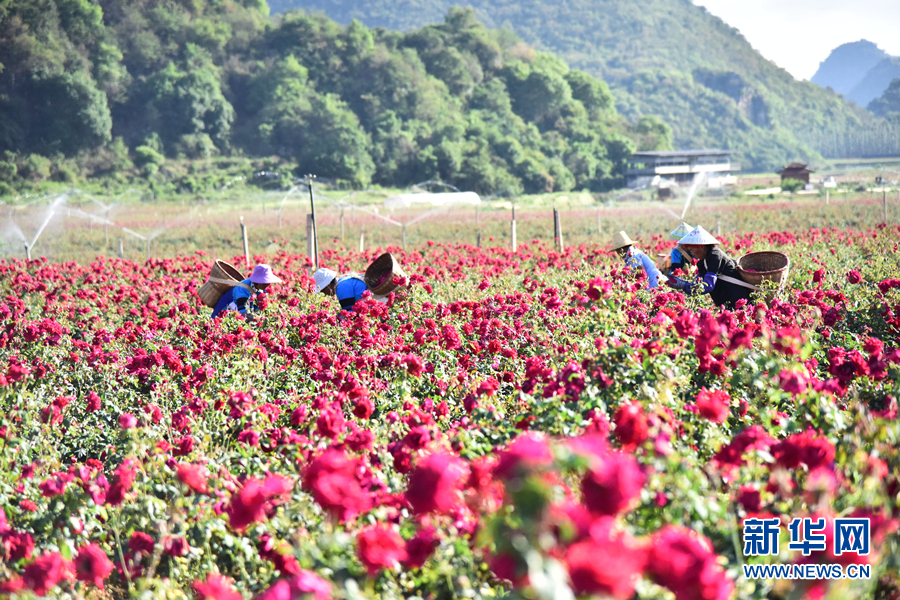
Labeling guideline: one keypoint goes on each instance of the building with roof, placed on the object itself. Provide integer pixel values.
(796, 171)
(680, 167)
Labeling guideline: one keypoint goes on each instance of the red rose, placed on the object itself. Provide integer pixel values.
(331, 478)
(123, 478)
(127, 421)
(606, 564)
(631, 425)
(713, 405)
(93, 402)
(528, 451)
(330, 423)
(46, 572)
(92, 565)
(433, 484)
(611, 484)
(420, 548)
(193, 477)
(248, 505)
(682, 561)
(379, 547)
(305, 585)
(854, 276)
(804, 448)
(216, 587)
(140, 542)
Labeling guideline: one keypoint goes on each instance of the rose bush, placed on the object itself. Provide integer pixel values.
(558, 428)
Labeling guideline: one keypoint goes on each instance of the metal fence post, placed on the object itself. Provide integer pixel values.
(310, 245)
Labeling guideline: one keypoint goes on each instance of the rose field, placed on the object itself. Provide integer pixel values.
(529, 424)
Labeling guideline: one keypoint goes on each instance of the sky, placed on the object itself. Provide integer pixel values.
(797, 35)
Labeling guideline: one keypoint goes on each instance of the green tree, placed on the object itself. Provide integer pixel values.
(652, 134)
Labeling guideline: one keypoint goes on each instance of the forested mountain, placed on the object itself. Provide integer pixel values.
(875, 81)
(847, 64)
(668, 58)
(113, 81)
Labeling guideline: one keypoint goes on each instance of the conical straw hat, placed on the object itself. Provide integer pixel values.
(620, 240)
(680, 231)
(698, 237)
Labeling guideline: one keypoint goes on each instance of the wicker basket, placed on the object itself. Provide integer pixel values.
(768, 265)
(212, 291)
(381, 273)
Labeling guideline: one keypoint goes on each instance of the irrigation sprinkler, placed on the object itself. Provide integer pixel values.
(310, 247)
(403, 229)
(315, 232)
(283, 200)
(27, 251)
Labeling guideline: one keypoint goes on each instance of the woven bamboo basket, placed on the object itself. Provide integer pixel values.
(381, 273)
(767, 265)
(212, 291)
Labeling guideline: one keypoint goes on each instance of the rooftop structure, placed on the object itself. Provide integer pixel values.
(796, 171)
(680, 166)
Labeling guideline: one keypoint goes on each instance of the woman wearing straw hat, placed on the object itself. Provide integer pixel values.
(718, 274)
(635, 259)
(238, 296)
(348, 289)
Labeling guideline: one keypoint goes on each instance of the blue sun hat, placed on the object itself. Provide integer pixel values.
(698, 237)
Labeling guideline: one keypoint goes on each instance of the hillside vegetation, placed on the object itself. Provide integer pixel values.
(123, 87)
(668, 58)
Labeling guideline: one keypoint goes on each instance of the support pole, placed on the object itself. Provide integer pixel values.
(827, 196)
(557, 230)
(342, 224)
(884, 202)
(279, 218)
(148, 248)
(478, 240)
(27, 251)
(121, 249)
(512, 229)
(599, 227)
(403, 234)
(315, 231)
(310, 244)
(246, 245)
(362, 242)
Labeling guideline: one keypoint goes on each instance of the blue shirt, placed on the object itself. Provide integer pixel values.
(348, 291)
(234, 299)
(636, 259)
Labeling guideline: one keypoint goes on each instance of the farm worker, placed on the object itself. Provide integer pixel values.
(326, 281)
(635, 259)
(348, 288)
(236, 298)
(717, 272)
(679, 257)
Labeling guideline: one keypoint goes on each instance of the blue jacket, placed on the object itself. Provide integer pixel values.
(636, 259)
(234, 299)
(349, 289)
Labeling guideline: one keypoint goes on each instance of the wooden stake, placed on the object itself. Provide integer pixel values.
(512, 229)
(121, 248)
(315, 231)
(243, 235)
(362, 242)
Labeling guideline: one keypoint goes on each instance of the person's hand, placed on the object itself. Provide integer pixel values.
(672, 282)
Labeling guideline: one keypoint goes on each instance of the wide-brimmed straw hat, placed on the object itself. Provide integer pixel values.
(323, 277)
(264, 274)
(620, 240)
(680, 231)
(698, 237)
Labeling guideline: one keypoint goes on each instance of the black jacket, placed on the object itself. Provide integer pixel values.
(724, 293)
